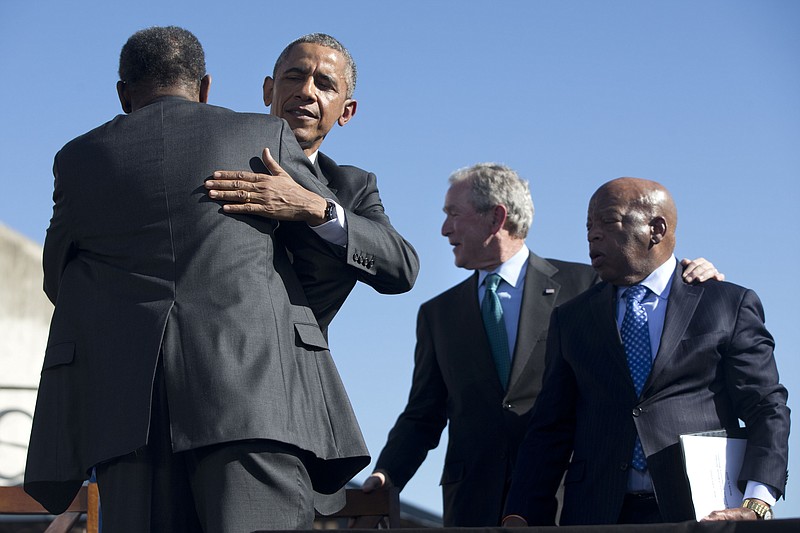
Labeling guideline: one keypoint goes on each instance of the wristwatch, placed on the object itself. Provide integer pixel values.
(762, 510)
(330, 211)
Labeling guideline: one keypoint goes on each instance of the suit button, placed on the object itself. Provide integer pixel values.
(637, 411)
(623, 466)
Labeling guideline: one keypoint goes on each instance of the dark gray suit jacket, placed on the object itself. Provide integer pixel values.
(455, 382)
(376, 254)
(139, 261)
(714, 366)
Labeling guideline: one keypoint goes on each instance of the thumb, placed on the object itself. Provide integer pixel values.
(272, 165)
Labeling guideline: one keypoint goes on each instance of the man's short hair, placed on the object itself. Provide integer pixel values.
(164, 57)
(493, 184)
(323, 39)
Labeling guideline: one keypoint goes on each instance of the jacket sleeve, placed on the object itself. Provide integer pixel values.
(419, 427)
(759, 399)
(59, 247)
(545, 451)
(381, 257)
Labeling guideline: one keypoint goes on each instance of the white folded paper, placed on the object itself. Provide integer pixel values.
(713, 461)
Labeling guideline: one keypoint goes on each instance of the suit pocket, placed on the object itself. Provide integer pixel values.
(453, 472)
(575, 472)
(310, 336)
(59, 354)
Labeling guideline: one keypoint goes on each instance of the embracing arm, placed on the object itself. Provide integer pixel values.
(375, 253)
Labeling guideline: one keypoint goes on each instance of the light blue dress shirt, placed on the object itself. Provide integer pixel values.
(655, 305)
(509, 291)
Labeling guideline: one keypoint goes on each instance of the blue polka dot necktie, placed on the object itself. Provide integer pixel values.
(636, 339)
(492, 313)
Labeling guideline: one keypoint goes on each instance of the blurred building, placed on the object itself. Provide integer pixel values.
(25, 315)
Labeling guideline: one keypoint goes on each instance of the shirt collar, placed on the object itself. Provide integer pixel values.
(313, 157)
(512, 270)
(659, 281)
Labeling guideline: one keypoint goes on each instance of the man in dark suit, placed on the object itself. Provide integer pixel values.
(183, 359)
(488, 214)
(312, 88)
(634, 363)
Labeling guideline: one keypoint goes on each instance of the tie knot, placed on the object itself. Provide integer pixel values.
(637, 292)
(492, 281)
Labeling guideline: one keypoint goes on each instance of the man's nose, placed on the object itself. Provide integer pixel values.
(308, 89)
(446, 227)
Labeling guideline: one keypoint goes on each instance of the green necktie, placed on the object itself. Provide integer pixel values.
(492, 313)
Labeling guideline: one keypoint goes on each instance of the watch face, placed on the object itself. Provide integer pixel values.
(768, 515)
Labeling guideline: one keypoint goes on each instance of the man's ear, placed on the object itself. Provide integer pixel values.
(499, 216)
(269, 84)
(205, 86)
(349, 112)
(124, 96)
(658, 229)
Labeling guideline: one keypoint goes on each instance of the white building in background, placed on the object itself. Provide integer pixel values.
(25, 315)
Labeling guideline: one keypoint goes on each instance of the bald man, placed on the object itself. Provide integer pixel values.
(638, 360)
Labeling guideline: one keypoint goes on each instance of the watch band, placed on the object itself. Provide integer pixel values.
(762, 510)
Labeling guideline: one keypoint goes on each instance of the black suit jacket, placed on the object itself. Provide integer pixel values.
(376, 254)
(140, 262)
(714, 366)
(455, 382)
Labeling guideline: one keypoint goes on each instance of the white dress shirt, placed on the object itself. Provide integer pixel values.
(334, 231)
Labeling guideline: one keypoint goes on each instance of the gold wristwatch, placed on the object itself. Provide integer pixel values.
(762, 510)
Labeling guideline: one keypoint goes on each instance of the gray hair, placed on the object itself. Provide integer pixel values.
(493, 184)
(323, 39)
(163, 56)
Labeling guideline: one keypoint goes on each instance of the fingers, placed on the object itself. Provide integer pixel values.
(239, 177)
(234, 186)
(736, 513)
(700, 270)
(514, 520)
(375, 481)
(272, 165)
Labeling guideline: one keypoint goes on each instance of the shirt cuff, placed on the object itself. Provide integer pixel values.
(763, 492)
(334, 231)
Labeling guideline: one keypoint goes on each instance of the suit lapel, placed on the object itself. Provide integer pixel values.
(603, 313)
(327, 171)
(681, 304)
(538, 299)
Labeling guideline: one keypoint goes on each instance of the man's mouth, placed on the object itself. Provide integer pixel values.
(301, 113)
(596, 258)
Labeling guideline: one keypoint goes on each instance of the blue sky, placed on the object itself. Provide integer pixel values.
(701, 96)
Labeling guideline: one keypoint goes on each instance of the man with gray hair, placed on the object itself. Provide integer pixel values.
(480, 348)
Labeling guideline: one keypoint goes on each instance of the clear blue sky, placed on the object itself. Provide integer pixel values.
(701, 96)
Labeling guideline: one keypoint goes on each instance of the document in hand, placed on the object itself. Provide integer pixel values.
(713, 460)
